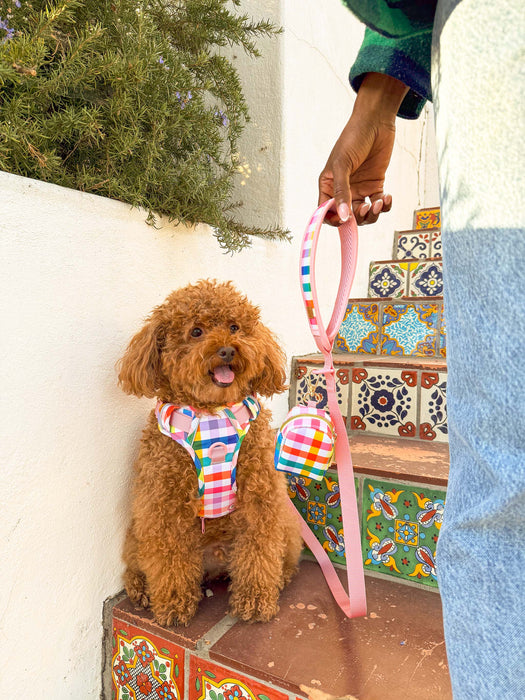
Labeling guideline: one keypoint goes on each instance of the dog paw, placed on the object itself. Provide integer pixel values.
(257, 607)
(177, 612)
(136, 589)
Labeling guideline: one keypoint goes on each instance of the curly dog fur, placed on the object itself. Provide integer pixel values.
(258, 545)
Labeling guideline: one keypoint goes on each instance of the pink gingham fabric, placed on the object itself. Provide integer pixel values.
(305, 443)
(213, 441)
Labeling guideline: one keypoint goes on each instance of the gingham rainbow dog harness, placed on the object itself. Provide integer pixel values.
(310, 436)
(213, 441)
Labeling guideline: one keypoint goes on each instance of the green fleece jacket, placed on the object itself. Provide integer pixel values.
(397, 42)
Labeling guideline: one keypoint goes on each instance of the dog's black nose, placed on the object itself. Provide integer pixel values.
(226, 354)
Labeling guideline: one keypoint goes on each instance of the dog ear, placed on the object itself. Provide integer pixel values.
(140, 368)
(272, 379)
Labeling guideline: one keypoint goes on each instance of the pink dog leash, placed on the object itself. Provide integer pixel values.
(352, 603)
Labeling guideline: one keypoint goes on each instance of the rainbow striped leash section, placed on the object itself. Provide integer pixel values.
(307, 270)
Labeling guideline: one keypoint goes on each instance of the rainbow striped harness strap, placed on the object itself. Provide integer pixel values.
(213, 441)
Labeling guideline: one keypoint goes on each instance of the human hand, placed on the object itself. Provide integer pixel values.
(356, 167)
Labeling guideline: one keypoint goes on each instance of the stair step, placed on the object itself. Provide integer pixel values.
(417, 243)
(384, 395)
(401, 494)
(412, 327)
(397, 651)
(407, 278)
(428, 217)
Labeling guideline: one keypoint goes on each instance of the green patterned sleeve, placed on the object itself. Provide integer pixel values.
(407, 59)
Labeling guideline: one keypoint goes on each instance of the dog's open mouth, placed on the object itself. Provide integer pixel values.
(222, 375)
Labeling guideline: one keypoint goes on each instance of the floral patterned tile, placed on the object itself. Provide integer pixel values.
(384, 401)
(319, 504)
(412, 244)
(312, 387)
(427, 218)
(400, 529)
(388, 279)
(209, 681)
(145, 666)
(410, 329)
(426, 279)
(359, 331)
(433, 410)
(435, 244)
(443, 334)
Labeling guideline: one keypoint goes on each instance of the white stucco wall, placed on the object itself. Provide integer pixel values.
(79, 275)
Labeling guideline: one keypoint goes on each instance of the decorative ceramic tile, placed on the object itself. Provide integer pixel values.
(427, 218)
(412, 244)
(435, 249)
(145, 666)
(384, 401)
(410, 329)
(359, 331)
(208, 681)
(426, 279)
(442, 334)
(400, 529)
(433, 411)
(319, 504)
(388, 279)
(312, 387)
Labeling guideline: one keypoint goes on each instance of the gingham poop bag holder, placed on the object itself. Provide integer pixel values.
(309, 436)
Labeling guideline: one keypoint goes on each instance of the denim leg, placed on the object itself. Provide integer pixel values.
(479, 129)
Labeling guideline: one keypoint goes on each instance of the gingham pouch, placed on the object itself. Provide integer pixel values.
(305, 443)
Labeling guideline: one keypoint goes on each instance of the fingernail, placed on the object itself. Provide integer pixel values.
(343, 211)
(377, 206)
(363, 209)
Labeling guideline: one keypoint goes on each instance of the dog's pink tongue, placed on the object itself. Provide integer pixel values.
(223, 374)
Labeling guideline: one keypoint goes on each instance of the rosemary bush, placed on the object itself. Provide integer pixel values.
(130, 99)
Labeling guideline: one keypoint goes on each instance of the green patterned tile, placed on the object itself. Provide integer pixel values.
(319, 504)
(400, 528)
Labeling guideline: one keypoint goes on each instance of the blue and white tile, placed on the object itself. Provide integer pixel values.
(426, 279)
(435, 244)
(410, 329)
(384, 401)
(359, 331)
(388, 279)
(433, 407)
(312, 387)
(412, 244)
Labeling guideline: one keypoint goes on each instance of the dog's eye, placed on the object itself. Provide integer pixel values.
(196, 333)
(234, 328)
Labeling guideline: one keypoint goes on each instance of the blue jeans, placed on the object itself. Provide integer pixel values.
(479, 129)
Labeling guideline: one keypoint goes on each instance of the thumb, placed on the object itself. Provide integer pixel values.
(342, 191)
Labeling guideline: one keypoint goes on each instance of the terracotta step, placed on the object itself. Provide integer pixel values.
(406, 278)
(387, 396)
(396, 652)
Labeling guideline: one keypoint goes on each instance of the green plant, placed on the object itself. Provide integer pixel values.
(130, 99)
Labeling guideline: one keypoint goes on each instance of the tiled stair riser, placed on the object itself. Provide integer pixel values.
(389, 401)
(400, 523)
(393, 327)
(144, 665)
(406, 279)
(150, 668)
(420, 244)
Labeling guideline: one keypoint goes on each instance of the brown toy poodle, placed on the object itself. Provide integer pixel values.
(206, 356)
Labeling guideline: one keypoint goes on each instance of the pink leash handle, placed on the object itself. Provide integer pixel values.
(353, 604)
